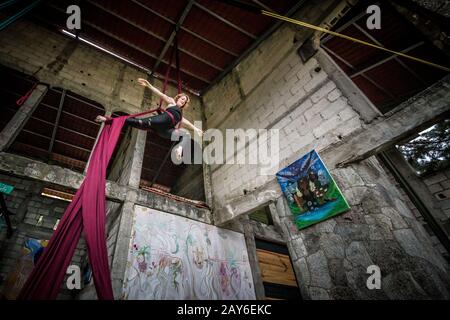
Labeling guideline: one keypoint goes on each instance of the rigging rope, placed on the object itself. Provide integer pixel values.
(343, 36)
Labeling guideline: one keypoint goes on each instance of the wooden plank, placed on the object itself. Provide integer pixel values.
(278, 278)
(276, 268)
(273, 258)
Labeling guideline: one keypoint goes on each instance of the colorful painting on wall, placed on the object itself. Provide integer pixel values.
(311, 191)
(30, 253)
(175, 258)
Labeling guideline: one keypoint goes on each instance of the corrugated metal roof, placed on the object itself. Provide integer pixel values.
(213, 35)
(75, 131)
(385, 79)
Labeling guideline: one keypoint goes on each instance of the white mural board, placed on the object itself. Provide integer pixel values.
(175, 258)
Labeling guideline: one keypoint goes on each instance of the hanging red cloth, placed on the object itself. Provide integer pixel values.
(85, 213)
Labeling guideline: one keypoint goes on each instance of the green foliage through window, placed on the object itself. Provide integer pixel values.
(430, 151)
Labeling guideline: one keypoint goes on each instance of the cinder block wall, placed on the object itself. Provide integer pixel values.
(273, 89)
(63, 62)
(27, 204)
(439, 186)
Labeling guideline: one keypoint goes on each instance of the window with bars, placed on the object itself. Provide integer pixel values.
(386, 79)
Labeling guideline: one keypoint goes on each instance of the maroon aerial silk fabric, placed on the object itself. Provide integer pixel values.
(85, 213)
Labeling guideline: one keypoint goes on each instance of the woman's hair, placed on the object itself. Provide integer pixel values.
(178, 96)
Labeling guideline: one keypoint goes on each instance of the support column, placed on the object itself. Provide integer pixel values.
(120, 256)
(138, 159)
(253, 258)
(107, 114)
(12, 129)
(131, 177)
(207, 184)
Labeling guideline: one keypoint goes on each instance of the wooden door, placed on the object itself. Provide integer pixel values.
(277, 272)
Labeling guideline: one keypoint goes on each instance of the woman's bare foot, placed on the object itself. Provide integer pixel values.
(179, 153)
(100, 119)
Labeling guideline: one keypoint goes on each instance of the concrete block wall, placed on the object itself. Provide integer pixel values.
(62, 62)
(123, 160)
(76, 67)
(313, 110)
(299, 99)
(439, 186)
(27, 203)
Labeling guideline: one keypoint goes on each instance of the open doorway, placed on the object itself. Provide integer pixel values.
(161, 175)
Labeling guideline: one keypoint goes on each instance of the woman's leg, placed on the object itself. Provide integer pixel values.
(183, 139)
(159, 122)
(138, 123)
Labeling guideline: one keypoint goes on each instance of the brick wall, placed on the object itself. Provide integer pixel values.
(27, 204)
(313, 109)
(299, 99)
(121, 164)
(77, 67)
(439, 186)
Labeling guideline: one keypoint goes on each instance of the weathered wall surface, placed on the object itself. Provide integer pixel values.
(439, 186)
(62, 62)
(331, 258)
(273, 89)
(28, 205)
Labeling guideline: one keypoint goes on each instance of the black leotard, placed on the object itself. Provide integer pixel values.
(176, 112)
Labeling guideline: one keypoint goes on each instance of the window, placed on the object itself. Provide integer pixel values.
(429, 151)
(13, 85)
(160, 175)
(262, 215)
(158, 170)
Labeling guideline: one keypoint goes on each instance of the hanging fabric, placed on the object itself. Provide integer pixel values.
(85, 213)
(177, 63)
(167, 77)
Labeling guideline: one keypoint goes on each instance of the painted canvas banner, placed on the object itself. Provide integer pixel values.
(175, 258)
(311, 191)
(29, 255)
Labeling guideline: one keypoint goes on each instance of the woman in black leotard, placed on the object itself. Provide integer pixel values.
(165, 124)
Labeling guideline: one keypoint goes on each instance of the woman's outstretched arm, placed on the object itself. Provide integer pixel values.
(166, 98)
(188, 124)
